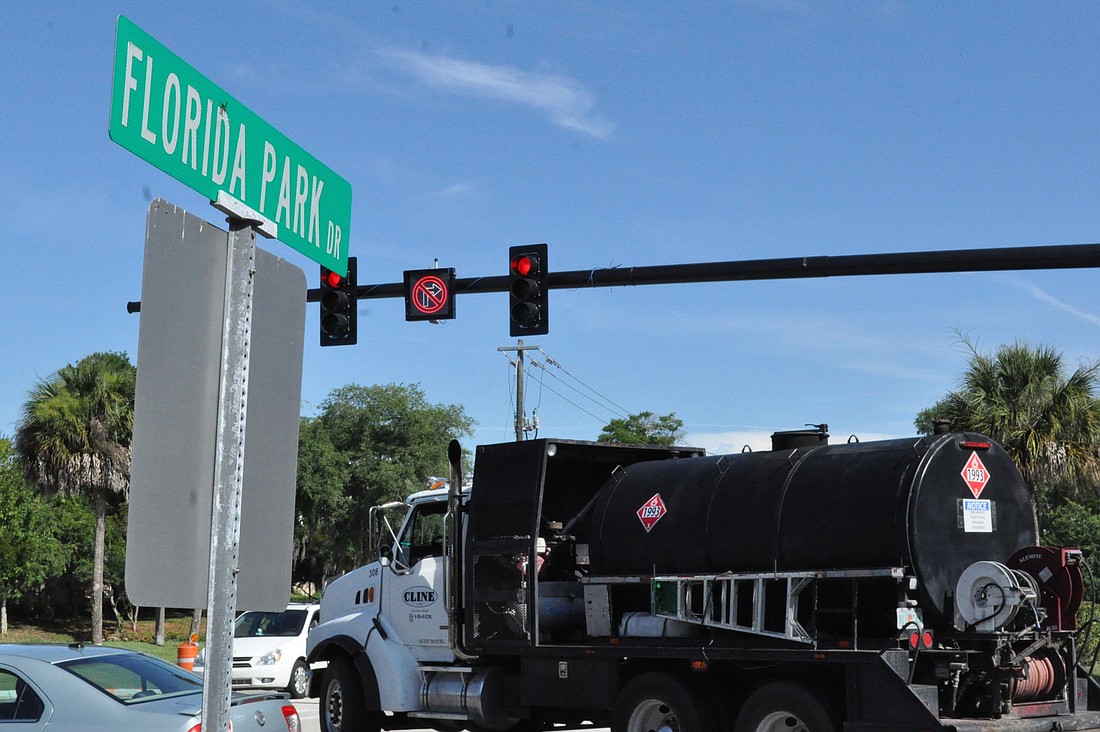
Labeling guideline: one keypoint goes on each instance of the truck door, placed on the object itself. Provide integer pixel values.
(413, 599)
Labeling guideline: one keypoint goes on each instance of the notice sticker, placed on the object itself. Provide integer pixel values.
(977, 516)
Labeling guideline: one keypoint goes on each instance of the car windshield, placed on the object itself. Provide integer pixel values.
(255, 624)
(133, 677)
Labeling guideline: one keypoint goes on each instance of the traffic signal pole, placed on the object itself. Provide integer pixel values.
(1065, 256)
(1068, 256)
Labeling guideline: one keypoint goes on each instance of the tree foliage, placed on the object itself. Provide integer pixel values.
(644, 428)
(1047, 421)
(1021, 397)
(30, 551)
(322, 506)
(367, 445)
(74, 439)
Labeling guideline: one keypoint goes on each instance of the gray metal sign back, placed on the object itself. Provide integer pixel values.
(176, 411)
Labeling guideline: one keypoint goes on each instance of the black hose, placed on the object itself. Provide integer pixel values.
(971, 626)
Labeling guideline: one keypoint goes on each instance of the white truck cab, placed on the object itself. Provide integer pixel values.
(393, 608)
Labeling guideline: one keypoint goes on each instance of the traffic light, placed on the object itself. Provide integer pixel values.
(530, 280)
(338, 307)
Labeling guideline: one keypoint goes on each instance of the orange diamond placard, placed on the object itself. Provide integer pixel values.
(975, 474)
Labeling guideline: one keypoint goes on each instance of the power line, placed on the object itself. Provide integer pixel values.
(567, 399)
(575, 389)
(523, 376)
(622, 411)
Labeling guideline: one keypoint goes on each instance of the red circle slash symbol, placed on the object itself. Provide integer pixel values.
(429, 295)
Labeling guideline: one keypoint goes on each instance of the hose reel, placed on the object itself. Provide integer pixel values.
(988, 596)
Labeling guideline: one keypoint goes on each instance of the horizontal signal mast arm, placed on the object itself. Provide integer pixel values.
(1068, 256)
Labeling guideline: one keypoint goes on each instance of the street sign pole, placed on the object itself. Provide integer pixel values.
(173, 117)
(225, 524)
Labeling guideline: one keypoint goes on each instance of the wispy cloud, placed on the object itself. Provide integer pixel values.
(563, 100)
(1045, 297)
(838, 341)
(461, 188)
(726, 443)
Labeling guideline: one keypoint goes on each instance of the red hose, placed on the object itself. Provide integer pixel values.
(1038, 680)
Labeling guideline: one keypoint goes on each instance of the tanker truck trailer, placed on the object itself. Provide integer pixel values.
(892, 585)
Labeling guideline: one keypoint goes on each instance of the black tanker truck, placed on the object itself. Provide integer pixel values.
(889, 586)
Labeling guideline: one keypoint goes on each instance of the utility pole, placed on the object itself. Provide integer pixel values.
(519, 348)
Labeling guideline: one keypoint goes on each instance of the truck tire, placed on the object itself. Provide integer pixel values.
(342, 708)
(298, 687)
(784, 707)
(656, 701)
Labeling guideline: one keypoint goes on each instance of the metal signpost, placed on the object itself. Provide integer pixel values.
(168, 114)
(225, 528)
(211, 364)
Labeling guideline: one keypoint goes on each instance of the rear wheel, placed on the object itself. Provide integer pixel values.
(299, 680)
(783, 707)
(342, 706)
(656, 702)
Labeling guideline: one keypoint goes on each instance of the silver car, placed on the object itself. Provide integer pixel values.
(95, 689)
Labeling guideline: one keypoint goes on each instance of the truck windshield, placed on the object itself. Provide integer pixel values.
(423, 534)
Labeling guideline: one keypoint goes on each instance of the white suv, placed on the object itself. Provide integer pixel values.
(269, 649)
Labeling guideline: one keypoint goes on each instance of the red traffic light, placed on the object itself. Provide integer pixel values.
(338, 307)
(529, 281)
(525, 265)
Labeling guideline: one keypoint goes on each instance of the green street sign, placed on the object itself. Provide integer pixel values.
(171, 116)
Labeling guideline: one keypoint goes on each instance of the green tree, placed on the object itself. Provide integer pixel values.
(1075, 525)
(644, 428)
(321, 505)
(74, 439)
(30, 552)
(386, 442)
(1048, 422)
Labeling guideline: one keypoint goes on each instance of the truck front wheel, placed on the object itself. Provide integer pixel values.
(656, 701)
(783, 707)
(342, 706)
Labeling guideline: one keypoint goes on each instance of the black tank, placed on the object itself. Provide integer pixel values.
(933, 505)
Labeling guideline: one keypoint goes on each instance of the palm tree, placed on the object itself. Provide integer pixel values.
(74, 438)
(1047, 422)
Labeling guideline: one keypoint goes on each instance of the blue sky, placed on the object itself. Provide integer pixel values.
(620, 133)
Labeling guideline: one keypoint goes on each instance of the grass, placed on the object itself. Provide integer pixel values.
(177, 625)
(70, 630)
